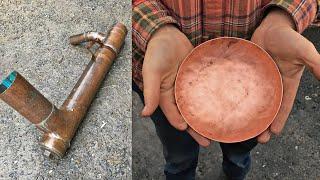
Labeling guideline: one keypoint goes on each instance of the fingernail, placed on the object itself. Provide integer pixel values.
(143, 112)
(183, 126)
(206, 143)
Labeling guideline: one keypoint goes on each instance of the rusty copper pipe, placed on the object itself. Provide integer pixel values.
(60, 125)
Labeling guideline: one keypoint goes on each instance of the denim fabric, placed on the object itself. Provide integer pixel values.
(181, 151)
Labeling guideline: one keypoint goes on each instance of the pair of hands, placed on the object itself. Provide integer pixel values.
(168, 47)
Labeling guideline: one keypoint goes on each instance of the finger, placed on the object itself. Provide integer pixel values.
(202, 141)
(151, 91)
(264, 137)
(290, 87)
(312, 60)
(170, 109)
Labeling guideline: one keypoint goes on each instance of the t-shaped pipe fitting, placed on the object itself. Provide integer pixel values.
(59, 125)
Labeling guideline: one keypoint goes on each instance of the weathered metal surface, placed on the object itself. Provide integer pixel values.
(23, 97)
(60, 125)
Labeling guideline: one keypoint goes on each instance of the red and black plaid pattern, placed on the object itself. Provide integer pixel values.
(201, 20)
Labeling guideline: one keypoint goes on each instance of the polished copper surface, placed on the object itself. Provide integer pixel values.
(228, 89)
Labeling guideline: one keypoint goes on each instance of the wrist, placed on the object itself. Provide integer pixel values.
(165, 31)
(278, 18)
(169, 35)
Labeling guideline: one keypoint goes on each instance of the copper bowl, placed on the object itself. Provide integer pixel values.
(228, 89)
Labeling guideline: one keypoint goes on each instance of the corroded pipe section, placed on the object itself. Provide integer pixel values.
(60, 125)
(29, 102)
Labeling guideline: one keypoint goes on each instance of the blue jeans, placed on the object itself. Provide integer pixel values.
(181, 151)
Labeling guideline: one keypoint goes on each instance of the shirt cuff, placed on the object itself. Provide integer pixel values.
(316, 22)
(303, 12)
(148, 16)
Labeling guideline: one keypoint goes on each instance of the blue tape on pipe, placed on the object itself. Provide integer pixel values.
(6, 83)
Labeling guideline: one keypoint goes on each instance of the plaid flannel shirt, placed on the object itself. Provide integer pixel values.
(201, 20)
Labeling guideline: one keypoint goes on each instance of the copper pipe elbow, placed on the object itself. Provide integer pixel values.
(113, 42)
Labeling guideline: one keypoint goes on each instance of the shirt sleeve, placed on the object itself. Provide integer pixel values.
(303, 12)
(148, 16)
(316, 22)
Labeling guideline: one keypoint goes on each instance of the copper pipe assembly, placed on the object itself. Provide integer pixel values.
(60, 125)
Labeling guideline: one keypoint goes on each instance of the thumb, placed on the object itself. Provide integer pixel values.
(151, 91)
(311, 58)
(313, 63)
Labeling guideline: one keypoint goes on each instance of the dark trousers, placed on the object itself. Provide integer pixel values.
(181, 151)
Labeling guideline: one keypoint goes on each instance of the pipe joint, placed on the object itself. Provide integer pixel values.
(43, 125)
(113, 40)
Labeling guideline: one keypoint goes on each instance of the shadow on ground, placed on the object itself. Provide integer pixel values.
(293, 155)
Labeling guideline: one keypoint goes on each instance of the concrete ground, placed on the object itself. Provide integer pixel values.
(34, 41)
(293, 155)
